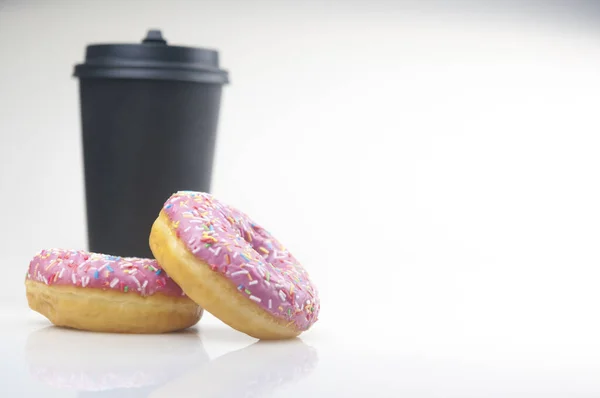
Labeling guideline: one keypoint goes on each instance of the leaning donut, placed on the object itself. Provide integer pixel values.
(233, 268)
(104, 293)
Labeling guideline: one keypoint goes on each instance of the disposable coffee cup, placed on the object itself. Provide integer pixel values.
(149, 115)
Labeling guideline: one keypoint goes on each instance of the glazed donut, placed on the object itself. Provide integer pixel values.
(103, 293)
(233, 268)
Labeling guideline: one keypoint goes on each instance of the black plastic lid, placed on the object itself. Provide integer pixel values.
(152, 59)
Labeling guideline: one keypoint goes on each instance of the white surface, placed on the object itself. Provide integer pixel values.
(212, 360)
(436, 172)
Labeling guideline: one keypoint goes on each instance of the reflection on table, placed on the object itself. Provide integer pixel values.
(252, 371)
(118, 365)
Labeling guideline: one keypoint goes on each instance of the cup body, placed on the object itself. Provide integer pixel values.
(143, 140)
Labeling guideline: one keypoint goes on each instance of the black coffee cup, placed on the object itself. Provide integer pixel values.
(149, 117)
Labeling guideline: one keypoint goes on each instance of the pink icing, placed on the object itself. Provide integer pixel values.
(101, 271)
(246, 254)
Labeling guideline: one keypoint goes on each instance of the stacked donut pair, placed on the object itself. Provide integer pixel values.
(208, 256)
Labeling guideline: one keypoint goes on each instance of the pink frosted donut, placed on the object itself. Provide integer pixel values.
(233, 267)
(106, 293)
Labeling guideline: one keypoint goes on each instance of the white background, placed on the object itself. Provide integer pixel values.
(435, 168)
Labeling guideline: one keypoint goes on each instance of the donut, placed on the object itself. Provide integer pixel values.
(232, 267)
(104, 293)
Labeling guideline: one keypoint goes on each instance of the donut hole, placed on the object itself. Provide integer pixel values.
(256, 237)
(261, 241)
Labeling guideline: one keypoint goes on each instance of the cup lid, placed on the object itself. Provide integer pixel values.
(153, 59)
